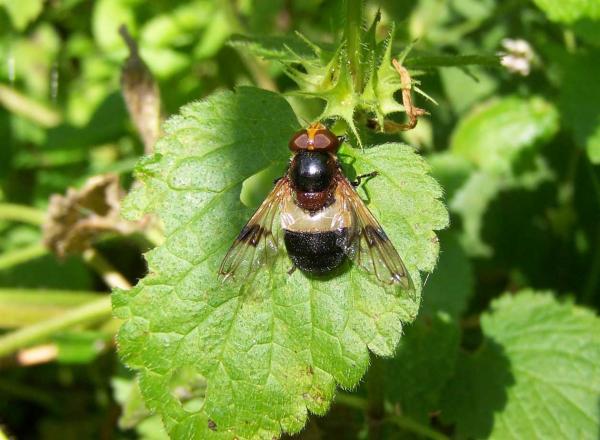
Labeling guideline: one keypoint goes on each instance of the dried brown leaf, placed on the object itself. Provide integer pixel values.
(75, 219)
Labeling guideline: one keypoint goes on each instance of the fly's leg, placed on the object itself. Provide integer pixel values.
(292, 269)
(363, 176)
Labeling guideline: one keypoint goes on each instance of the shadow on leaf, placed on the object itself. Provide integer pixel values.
(477, 391)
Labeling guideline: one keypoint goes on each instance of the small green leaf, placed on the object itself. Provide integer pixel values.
(282, 48)
(271, 351)
(495, 135)
(22, 12)
(80, 347)
(134, 413)
(537, 374)
(569, 11)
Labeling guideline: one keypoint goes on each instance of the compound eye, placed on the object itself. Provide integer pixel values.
(299, 141)
(326, 140)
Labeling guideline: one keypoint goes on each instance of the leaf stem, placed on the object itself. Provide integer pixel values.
(351, 401)
(352, 35)
(20, 213)
(111, 276)
(22, 307)
(20, 104)
(19, 256)
(27, 392)
(404, 422)
(27, 336)
(411, 425)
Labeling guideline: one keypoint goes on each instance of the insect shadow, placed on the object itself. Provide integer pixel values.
(352, 175)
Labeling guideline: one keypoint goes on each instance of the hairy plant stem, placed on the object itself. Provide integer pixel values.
(352, 33)
(19, 256)
(20, 213)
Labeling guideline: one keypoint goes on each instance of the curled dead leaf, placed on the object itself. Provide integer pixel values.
(75, 219)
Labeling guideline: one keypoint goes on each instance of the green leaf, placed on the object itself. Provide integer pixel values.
(580, 92)
(272, 351)
(569, 11)
(80, 347)
(499, 138)
(537, 374)
(449, 288)
(108, 16)
(495, 135)
(22, 12)
(464, 88)
(473, 199)
(415, 377)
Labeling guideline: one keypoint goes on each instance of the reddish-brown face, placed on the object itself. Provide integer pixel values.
(316, 137)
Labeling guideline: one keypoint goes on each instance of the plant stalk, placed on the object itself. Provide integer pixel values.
(20, 213)
(411, 425)
(22, 307)
(403, 422)
(20, 104)
(87, 314)
(111, 276)
(19, 256)
(352, 33)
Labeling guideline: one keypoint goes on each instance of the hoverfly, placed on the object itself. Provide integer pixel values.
(322, 217)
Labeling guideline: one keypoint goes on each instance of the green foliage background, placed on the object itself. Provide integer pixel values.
(505, 342)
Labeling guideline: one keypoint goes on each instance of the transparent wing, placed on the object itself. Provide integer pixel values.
(370, 247)
(258, 242)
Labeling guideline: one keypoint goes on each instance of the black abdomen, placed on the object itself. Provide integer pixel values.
(317, 252)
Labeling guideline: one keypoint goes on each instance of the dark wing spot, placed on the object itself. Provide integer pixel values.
(251, 234)
(246, 230)
(212, 425)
